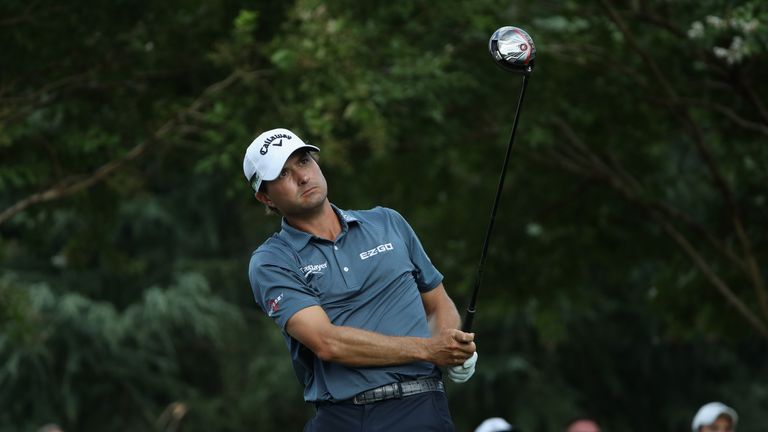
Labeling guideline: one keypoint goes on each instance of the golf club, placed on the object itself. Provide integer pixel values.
(513, 50)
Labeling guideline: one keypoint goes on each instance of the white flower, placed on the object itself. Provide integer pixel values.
(715, 21)
(734, 53)
(533, 229)
(720, 52)
(696, 31)
(737, 43)
(749, 26)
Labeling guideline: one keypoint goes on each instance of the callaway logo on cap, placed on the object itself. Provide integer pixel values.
(265, 157)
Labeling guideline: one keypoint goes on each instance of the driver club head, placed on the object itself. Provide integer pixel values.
(513, 49)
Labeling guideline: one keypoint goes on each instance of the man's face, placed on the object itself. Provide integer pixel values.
(722, 424)
(300, 188)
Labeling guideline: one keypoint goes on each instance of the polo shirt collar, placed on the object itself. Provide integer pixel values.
(298, 239)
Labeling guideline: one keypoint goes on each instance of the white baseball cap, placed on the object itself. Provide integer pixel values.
(265, 157)
(708, 413)
(494, 424)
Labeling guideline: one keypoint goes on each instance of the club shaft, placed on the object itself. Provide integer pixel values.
(470, 316)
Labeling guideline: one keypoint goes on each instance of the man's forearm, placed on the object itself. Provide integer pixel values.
(444, 318)
(440, 309)
(356, 347)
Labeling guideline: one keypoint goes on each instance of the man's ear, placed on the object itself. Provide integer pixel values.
(264, 199)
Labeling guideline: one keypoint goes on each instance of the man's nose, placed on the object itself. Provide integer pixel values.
(303, 177)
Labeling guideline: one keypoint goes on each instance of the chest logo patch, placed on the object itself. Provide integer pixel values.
(377, 250)
(314, 268)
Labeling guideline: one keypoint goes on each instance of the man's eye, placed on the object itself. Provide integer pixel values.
(283, 173)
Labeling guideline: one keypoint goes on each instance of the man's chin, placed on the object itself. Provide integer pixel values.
(310, 205)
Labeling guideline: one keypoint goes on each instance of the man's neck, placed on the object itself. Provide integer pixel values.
(324, 223)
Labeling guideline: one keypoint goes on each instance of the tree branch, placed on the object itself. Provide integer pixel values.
(729, 113)
(26, 102)
(27, 15)
(748, 90)
(72, 185)
(621, 180)
(758, 281)
(654, 18)
(721, 286)
(632, 189)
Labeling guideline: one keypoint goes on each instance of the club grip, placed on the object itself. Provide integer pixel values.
(466, 327)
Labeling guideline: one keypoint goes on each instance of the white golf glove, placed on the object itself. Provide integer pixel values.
(462, 373)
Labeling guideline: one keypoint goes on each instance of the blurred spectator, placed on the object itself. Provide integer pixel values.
(50, 427)
(495, 424)
(715, 417)
(582, 424)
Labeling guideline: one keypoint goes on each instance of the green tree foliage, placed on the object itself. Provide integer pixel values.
(89, 366)
(626, 277)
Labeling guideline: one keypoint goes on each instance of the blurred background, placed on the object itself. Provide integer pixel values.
(626, 279)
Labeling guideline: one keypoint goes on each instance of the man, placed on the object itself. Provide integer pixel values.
(715, 417)
(582, 424)
(495, 424)
(363, 311)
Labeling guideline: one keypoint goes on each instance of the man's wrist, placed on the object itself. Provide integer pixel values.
(422, 350)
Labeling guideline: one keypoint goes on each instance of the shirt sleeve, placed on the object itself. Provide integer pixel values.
(278, 288)
(426, 274)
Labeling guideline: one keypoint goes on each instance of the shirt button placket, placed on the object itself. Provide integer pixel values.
(340, 257)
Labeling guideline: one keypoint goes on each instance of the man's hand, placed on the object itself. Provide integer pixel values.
(451, 347)
(463, 372)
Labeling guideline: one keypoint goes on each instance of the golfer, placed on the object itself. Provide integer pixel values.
(364, 313)
(715, 417)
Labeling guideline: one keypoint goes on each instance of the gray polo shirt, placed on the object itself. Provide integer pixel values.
(370, 277)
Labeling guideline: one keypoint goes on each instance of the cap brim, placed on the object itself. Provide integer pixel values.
(275, 171)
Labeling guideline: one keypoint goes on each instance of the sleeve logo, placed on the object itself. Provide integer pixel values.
(273, 305)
